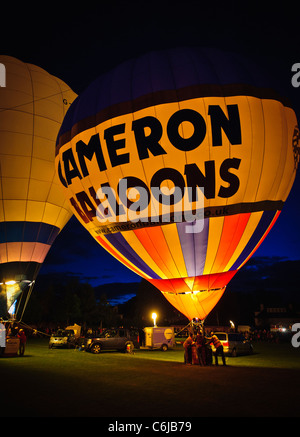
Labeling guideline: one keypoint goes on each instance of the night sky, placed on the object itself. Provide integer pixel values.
(79, 42)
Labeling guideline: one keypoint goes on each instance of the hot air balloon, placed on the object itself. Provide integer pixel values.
(194, 130)
(33, 209)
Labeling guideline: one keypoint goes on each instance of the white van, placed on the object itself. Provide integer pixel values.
(234, 343)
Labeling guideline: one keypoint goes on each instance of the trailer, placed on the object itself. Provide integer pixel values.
(12, 346)
(159, 337)
(76, 329)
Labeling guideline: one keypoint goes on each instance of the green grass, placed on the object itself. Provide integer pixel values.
(67, 383)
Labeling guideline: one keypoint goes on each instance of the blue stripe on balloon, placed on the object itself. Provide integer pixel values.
(200, 244)
(264, 223)
(119, 243)
(12, 232)
(194, 245)
(187, 247)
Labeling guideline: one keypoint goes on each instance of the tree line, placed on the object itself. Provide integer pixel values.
(68, 303)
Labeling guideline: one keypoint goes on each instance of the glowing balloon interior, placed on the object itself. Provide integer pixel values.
(33, 208)
(137, 145)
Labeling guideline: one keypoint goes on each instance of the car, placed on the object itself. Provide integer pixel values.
(120, 339)
(234, 343)
(63, 338)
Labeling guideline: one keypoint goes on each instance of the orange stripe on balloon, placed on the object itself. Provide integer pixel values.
(233, 229)
(155, 244)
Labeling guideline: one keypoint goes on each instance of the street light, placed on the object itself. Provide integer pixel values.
(154, 316)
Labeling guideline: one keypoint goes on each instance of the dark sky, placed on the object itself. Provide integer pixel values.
(77, 42)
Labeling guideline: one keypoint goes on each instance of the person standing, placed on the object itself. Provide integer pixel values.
(200, 348)
(2, 337)
(188, 349)
(219, 348)
(22, 337)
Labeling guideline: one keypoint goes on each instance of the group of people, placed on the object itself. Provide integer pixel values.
(202, 349)
(8, 330)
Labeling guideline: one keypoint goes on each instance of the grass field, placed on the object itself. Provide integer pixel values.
(71, 383)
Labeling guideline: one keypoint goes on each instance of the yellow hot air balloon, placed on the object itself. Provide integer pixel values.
(33, 208)
(137, 145)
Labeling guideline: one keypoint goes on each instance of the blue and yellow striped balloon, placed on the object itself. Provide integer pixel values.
(33, 208)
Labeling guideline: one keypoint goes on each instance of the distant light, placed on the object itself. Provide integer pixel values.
(154, 317)
(232, 324)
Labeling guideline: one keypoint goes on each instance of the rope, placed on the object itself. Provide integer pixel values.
(191, 323)
(26, 301)
(33, 329)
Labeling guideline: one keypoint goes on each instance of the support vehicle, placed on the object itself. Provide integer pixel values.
(159, 337)
(121, 339)
(234, 343)
(67, 338)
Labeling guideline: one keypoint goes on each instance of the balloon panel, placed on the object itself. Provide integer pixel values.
(190, 304)
(184, 118)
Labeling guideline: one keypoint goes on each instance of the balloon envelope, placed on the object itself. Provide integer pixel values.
(178, 163)
(33, 208)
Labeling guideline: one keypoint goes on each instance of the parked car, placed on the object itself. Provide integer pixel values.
(234, 343)
(119, 339)
(63, 338)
